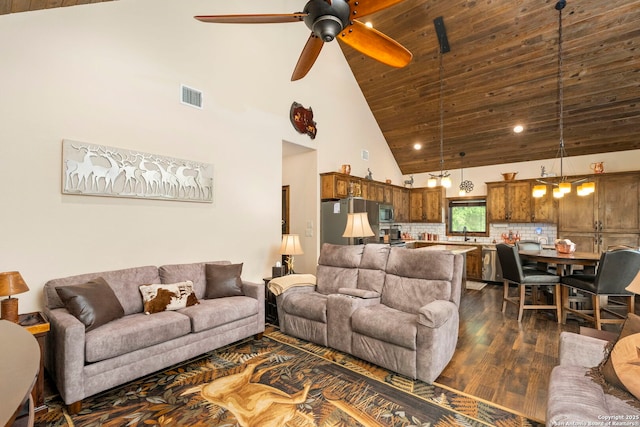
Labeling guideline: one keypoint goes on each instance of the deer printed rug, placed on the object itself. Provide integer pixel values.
(280, 381)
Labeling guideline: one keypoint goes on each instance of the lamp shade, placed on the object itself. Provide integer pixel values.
(291, 245)
(358, 225)
(11, 283)
(634, 286)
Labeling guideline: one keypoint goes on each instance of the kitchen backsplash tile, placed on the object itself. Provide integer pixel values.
(545, 233)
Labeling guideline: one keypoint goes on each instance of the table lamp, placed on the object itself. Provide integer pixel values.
(290, 246)
(634, 286)
(11, 283)
(358, 226)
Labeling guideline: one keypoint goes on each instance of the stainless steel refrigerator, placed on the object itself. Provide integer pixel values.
(333, 220)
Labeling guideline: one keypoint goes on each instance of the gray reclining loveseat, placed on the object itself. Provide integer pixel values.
(392, 306)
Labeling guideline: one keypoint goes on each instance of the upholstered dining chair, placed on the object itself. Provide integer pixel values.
(530, 245)
(513, 273)
(616, 270)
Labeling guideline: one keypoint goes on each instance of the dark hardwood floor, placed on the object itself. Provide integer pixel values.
(503, 361)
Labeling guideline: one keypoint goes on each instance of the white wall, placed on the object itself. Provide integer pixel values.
(110, 74)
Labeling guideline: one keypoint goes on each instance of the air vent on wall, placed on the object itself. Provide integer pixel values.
(365, 154)
(191, 96)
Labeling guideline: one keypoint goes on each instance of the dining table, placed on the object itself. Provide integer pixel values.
(564, 261)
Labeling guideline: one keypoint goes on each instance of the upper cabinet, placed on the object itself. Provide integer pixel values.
(511, 201)
(427, 204)
(401, 204)
(335, 185)
(614, 207)
(339, 186)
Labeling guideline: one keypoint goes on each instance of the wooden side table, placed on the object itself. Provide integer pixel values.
(38, 324)
(270, 305)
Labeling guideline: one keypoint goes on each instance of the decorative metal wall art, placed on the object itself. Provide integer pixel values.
(98, 170)
(302, 119)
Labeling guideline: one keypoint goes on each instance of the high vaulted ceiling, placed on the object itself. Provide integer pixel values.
(501, 71)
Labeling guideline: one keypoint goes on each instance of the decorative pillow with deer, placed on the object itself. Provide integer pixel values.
(174, 296)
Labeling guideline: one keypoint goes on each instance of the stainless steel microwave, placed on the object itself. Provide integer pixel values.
(386, 213)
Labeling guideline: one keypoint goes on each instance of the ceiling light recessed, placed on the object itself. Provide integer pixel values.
(417, 146)
(368, 24)
(518, 128)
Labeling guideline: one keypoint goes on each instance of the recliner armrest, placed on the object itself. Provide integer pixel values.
(358, 293)
(436, 313)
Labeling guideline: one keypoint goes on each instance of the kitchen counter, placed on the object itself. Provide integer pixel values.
(456, 249)
(449, 243)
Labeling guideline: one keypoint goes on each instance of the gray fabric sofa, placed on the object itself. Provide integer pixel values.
(83, 363)
(392, 306)
(573, 397)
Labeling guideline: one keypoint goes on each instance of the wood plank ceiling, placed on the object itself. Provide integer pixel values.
(501, 71)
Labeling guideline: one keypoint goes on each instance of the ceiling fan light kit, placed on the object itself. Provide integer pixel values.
(564, 186)
(327, 20)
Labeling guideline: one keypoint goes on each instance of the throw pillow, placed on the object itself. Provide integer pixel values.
(223, 280)
(622, 367)
(172, 296)
(93, 303)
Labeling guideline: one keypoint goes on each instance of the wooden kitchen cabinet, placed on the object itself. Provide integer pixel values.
(335, 185)
(509, 201)
(474, 264)
(427, 204)
(401, 204)
(609, 217)
(545, 208)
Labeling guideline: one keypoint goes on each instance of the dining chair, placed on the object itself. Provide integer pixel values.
(616, 269)
(530, 245)
(513, 273)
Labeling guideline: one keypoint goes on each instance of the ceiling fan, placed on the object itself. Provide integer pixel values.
(328, 19)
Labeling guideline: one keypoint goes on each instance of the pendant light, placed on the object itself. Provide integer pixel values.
(564, 186)
(444, 176)
(465, 186)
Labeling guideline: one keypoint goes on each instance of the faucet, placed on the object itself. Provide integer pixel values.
(464, 233)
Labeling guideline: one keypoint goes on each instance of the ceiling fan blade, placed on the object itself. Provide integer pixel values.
(308, 57)
(375, 44)
(273, 18)
(367, 7)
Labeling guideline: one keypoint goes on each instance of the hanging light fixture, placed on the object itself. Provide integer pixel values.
(444, 176)
(465, 186)
(564, 186)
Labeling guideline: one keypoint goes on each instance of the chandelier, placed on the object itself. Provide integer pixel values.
(564, 186)
(444, 176)
(466, 186)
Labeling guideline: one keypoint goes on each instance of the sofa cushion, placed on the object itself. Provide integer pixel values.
(371, 272)
(124, 283)
(418, 264)
(620, 368)
(223, 280)
(407, 294)
(174, 296)
(211, 313)
(386, 324)
(337, 267)
(329, 279)
(308, 305)
(93, 303)
(348, 256)
(134, 332)
(172, 273)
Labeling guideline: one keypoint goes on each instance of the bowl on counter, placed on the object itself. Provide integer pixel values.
(565, 248)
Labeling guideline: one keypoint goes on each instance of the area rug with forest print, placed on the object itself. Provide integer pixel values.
(279, 381)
